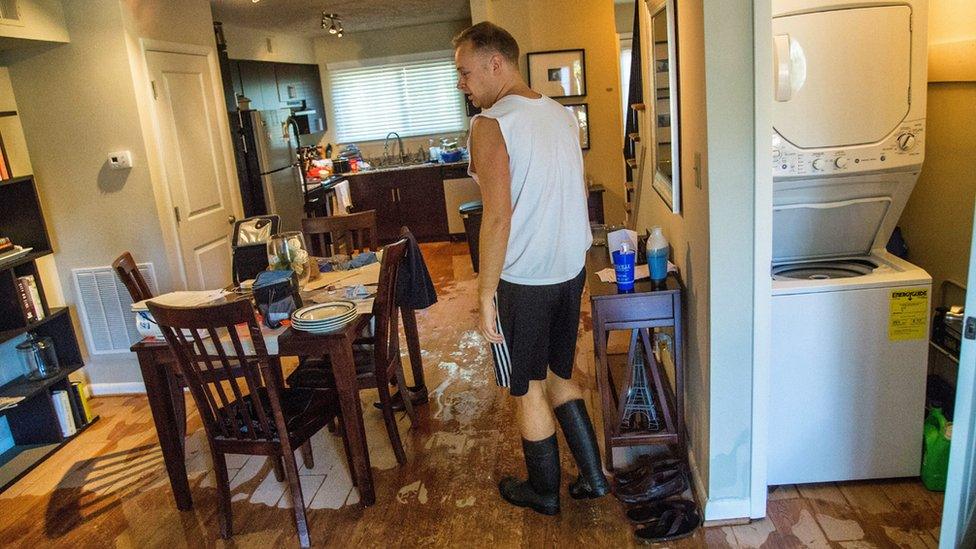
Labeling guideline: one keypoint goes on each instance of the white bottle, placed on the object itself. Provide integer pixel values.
(657, 254)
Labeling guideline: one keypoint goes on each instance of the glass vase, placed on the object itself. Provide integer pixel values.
(287, 251)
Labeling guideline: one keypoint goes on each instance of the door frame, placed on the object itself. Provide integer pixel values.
(153, 131)
(763, 252)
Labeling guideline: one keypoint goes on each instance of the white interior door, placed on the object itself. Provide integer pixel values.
(193, 156)
(958, 527)
(841, 77)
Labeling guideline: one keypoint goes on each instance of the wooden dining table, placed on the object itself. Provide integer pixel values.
(164, 389)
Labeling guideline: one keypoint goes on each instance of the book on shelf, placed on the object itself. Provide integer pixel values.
(62, 407)
(77, 412)
(5, 244)
(25, 302)
(80, 394)
(9, 402)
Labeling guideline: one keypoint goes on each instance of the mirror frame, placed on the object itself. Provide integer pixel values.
(668, 190)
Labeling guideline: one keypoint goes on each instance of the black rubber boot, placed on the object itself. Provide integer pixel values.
(591, 482)
(541, 491)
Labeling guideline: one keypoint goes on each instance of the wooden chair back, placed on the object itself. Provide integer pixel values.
(219, 381)
(128, 272)
(348, 234)
(387, 343)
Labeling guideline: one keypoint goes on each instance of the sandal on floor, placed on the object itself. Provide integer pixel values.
(678, 519)
(645, 466)
(657, 485)
(649, 512)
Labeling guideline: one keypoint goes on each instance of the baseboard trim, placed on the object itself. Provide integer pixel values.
(721, 512)
(106, 389)
(728, 511)
(697, 485)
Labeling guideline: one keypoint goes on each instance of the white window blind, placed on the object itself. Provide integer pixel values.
(410, 98)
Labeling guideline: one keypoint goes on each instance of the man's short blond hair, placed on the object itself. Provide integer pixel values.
(488, 37)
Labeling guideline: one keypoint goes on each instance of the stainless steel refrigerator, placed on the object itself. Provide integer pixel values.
(272, 183)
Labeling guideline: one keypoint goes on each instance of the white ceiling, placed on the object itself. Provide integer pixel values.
(303, 17)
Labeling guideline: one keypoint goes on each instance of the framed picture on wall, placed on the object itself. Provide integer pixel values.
(559, 73)
(581, 114)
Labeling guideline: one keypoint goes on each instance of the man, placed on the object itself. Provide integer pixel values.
(525, 154)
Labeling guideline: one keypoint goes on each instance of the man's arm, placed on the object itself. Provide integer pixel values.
(490, 157)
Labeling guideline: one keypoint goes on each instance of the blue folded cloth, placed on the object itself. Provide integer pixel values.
(327, 265)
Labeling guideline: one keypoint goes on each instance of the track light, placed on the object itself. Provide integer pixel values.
(332, 22)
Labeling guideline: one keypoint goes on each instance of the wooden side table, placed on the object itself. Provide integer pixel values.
(648, 306)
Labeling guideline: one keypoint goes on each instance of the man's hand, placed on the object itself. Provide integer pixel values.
(489, 326)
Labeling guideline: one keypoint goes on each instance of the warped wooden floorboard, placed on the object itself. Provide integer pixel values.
(109, 488)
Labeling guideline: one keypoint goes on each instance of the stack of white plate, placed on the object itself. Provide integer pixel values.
(323, 318)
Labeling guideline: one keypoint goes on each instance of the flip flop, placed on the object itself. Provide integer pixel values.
(645, 466)
(648, 512)
(657, 485)
(679, 519)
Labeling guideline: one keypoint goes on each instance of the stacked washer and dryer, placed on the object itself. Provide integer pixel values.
(847, 378)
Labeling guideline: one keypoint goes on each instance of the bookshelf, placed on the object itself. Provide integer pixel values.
(33, 421)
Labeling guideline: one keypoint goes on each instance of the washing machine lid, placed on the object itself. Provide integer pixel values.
(842, 77)
(824, 230)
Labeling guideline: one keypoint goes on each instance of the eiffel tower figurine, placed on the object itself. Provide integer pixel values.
(639, 412)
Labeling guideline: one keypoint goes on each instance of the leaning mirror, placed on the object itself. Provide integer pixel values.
(663, 60)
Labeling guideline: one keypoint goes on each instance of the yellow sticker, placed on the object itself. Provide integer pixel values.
(908, 314)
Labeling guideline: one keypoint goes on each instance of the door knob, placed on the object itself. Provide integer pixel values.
(231, 219)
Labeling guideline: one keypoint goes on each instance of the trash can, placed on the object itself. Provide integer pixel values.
(471, 215)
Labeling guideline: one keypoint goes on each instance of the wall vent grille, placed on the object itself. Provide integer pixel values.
(104, 307)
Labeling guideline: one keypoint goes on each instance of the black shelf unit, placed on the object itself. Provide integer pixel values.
(33, 421)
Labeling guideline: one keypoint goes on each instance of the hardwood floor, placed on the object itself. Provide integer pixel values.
(108, 487)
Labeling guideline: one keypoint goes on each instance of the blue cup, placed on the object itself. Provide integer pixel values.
(623, 266)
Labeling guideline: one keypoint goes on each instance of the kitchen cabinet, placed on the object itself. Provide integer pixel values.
(280, 85)
(411, 197)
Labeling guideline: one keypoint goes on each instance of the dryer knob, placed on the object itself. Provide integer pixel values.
(840, 162)
(817, 164)
(906, 141)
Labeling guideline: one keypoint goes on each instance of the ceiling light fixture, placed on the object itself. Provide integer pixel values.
(332, 22)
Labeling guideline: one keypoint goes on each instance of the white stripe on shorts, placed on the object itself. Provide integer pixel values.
(499, 351)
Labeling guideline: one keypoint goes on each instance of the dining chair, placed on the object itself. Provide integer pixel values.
(327, 236)
(378, 364)
(128, 272)
(240, 395)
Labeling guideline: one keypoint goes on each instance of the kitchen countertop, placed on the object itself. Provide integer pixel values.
(407, 167)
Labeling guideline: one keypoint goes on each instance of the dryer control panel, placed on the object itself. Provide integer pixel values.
(904, 147)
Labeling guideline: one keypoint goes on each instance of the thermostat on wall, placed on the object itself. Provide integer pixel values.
(121, 160)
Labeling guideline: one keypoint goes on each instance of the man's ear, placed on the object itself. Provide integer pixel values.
(495, 62)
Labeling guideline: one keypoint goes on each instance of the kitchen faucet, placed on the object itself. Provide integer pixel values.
(386, 143)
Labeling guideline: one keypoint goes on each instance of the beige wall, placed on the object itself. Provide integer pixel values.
(39, 20)
(937, 221)
(687, 232)
(80, 101)
(379, 44)
(246, 43)
(544, 25)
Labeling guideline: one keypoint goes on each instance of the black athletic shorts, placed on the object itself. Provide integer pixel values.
(539, 324)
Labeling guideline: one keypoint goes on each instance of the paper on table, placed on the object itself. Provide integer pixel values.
(640, 272)
(183, 299)
(615, 238)
(368, 274)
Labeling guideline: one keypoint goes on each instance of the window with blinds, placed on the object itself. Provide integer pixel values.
(410, 98)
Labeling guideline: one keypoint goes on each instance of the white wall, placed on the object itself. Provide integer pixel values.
(80, 101)
(252, 44)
